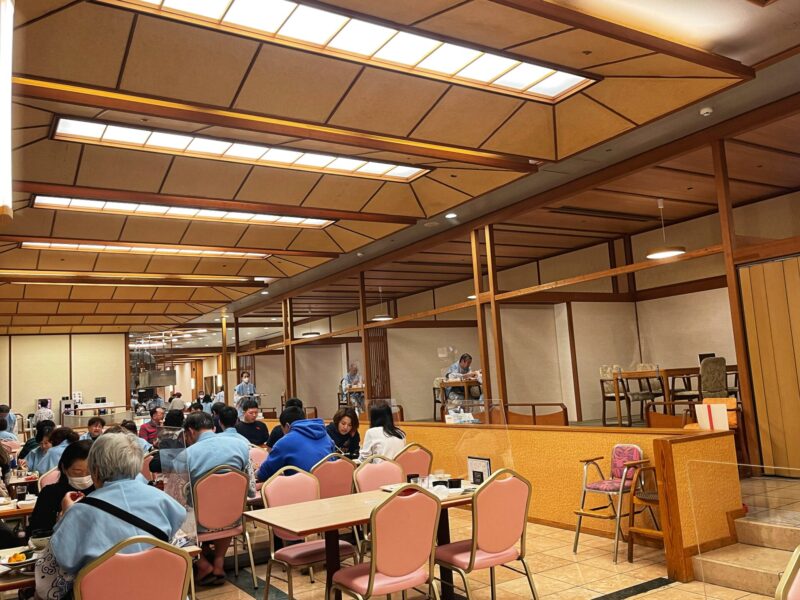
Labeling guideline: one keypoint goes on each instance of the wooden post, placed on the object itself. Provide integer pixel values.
(127, 395)
(236, 337)
(224, 325)
(497, 329)
(288, 348)
(752, 452)
(362, 321)
(483, 346)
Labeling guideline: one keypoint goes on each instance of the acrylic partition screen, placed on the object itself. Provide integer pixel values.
(743, 529)
(172, 475)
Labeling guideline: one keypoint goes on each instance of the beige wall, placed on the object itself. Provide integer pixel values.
(674, 330)
(518, 277)
(580, 262)
(318, 375)
(270, 379)
(777, 218)
(605, 333)
(455, 294)
(415, 303)
(183, 380)
(39, 369)
(98, 366)
(418, 356)
(564, 359)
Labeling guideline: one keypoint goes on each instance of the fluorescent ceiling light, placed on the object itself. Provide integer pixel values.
(101, 275)
(174, 250)
(175, 212)
(381, 318)
(329, 32)
(211, 148)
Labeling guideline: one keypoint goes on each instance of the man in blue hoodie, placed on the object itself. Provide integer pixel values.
(304, 443)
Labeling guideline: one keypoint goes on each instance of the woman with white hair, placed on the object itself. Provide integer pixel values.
(121, 507)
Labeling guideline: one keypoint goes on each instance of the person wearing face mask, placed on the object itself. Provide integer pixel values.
(244, 391)
(74, 477)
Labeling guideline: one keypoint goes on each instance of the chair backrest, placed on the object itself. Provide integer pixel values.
(789, 585)
(335, 475)
(49, 478)
(500, 512)
(560, 417)
(282, 489)
(397, 413)
(269, 413)
(257, 456)
(130, 576)
(311, 412)
(11, 446)
(714, 377)
(376, 472)
(403, 533)
(219, 498)
(146, 472)
(622, 453)
(415, 458)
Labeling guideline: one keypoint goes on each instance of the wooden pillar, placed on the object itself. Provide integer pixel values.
(483, 346)
(236, 337)
(228, 393)
(199, 384)
(127, 395)
(497, 329)
(362, 321)
(734, 299)
(288, 348)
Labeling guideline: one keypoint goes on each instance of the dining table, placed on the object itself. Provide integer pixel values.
(329, 515)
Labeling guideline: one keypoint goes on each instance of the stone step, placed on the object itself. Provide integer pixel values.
(756, 532)
(743, 567)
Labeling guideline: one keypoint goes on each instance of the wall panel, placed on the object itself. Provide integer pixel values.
(39, 369)
(98, 367)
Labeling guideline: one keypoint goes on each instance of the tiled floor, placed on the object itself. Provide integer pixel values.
(558, 574)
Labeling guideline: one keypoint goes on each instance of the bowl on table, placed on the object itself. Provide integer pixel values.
(27, 503)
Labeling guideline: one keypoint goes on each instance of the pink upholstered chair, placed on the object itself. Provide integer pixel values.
(415, 458)
(146, 472)
(376, 472)
(404, 536)
(280, 490)
(335, 475)
(499, 519)
(789, 585)
(11, 446)
(49, 478)
(129, 576)
(257, 456)
(220, 497)
(615, 488)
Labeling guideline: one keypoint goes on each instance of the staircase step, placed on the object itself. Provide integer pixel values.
(756, 532)
(743, 567)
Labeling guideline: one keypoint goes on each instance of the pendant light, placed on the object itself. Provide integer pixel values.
(310, 333)
(664, 251)
(382, 316)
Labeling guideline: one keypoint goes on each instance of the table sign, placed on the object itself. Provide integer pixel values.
(479, 469)
(712, 417)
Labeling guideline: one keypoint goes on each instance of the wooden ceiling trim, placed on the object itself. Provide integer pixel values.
(755, 146)
(580, 20)
(64, 92)
(75, 191)
(679, 172)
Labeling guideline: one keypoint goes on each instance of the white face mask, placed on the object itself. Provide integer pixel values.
(80, 483)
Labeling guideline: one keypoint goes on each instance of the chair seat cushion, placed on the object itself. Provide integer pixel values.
(647, 496)
(207, 536)
(357, 579)
(309, 553)
(607, 485)
(458, 555)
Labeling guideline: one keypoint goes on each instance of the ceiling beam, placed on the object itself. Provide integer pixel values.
(92, 193)
(195, 113)
(28, 276)
(574, 18)
(57, 240)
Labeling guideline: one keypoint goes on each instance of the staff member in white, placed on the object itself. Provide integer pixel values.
(242, 392)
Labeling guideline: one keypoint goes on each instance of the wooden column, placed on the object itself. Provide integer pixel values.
(199, 384)
(497, 329)
(290, 372)
(480, 315)
(734, 298)
(127, 395)
(228, 393)
(362, 321)
(236, 337)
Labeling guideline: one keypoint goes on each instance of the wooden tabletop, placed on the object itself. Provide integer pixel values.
(317, 516)
(9, 513)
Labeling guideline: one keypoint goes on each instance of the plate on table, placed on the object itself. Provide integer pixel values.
(27, 503)
(18, 560)
(4, 501)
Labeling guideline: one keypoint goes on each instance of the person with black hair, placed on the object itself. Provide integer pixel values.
(216, 409)
(253, 430)
(75, 477)
(60, 438)
(131, 426)
(10, 417)
(277, 431)
(169, 443)
(206, 401)
(149, 431)
(343, 430)
(94, 429)
(196, 407)
(305, 442)
(43, 413)
(383, 437)
(33, 458)
(6, 435)
(34, 441)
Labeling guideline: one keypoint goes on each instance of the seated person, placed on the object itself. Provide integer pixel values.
(460, 371)
(85, 530)
(43, 413)
(216, 408)
(131, 426)
(343, 430)
(8, 539)
(94, 429)
(207, 402)
(196, 407)
(34, 458)
(204, 452)
(250, 427)
(168, 441)
(10, 417)
(353, 379)
(228, 419)
(277, 431)
(60, 438)
(75, 477)
(34, 441)
(305, 442)
(176, 402)
(383, 437)
(149, 431)
(6, 435)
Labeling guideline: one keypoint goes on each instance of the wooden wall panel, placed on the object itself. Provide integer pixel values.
(377, 339)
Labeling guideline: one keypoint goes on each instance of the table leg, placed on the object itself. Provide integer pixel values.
(332, 560)
(617, 401)
(443, 537)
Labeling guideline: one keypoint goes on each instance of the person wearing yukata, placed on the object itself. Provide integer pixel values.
(244, 391)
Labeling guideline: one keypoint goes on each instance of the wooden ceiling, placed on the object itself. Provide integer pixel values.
(95, 60)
